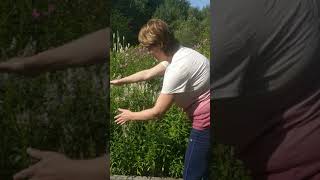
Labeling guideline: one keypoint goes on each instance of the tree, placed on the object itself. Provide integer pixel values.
(172, 10)
(134, 13)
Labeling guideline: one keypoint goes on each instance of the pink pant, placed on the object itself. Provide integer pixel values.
(199, 112)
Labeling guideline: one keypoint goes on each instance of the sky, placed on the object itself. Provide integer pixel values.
(199, 3)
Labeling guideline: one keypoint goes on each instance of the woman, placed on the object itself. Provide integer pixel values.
(186, 82)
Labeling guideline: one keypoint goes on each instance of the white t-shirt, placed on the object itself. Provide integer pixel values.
(187, 76)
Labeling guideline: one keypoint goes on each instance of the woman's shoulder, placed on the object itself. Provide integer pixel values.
(182, 53)
(188, 51)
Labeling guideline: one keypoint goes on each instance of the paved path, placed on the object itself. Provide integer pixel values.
(115, 177)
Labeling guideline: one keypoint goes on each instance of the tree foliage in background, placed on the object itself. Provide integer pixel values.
(195, 28)
(135, 13)
(189, 23)
(172, 11)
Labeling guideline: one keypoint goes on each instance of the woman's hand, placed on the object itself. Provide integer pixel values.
(116, 82)
(56, 166)
(163, 103)
(15, 65)
(124, 116)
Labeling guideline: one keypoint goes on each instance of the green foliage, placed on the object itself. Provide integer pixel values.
(128, 16)
(224, 166)
(67, 21)
(195, 28)
(188, 31)
(63, 111)
(205, 23)
(120, 22)
(172, 11)
(136, 13)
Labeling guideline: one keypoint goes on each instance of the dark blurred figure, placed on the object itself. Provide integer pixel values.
(265, 85)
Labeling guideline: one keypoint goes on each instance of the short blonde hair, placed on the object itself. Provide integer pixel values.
(157, 33)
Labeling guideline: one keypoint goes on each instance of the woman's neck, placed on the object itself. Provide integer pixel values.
(169, 57)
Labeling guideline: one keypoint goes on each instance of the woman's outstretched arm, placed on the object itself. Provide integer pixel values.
(163, 103)
(143, 75)
(90, 49)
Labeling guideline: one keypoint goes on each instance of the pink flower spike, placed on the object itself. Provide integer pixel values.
(35, 13)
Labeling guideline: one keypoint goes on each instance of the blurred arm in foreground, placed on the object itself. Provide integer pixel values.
(90, 49)
(56, 166)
